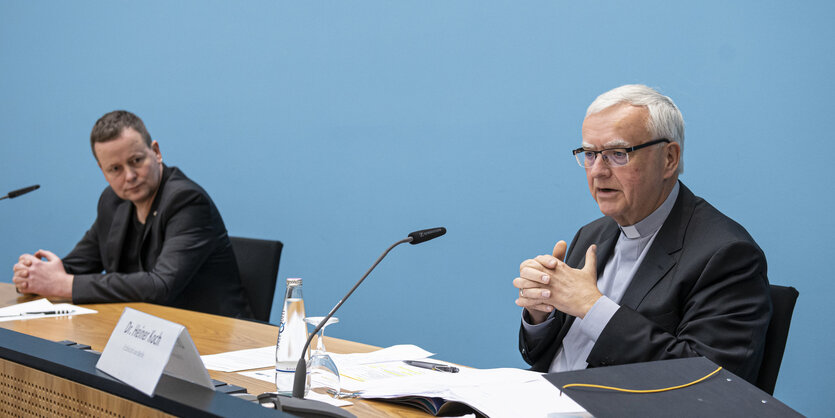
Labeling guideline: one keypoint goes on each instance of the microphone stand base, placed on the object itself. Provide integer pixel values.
(303, 407)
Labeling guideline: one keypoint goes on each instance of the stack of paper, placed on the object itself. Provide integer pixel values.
(383, 375)
(492, 392)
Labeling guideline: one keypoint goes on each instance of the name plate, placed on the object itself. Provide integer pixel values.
(142, 347)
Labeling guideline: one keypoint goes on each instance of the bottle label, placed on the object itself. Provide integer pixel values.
(292, 332)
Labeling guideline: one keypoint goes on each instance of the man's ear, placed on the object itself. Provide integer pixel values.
(155, 149)
(672, 158)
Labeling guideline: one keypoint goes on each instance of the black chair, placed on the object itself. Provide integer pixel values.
(782, 299)
(258, 266)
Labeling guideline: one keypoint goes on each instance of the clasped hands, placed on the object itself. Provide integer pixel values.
(546, 283)
(47, 277)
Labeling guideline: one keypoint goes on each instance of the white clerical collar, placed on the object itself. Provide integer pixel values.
(653, 222)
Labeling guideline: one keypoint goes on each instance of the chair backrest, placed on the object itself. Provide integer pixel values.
(782, 299)
(258, 266)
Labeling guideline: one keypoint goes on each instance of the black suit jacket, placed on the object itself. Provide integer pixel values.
(701, 290)
(186, 256)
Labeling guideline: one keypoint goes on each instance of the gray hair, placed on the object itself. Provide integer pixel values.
(665, 120)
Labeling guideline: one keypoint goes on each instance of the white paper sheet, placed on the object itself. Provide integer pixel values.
(257, 358)
(235, 361)
(358, 377)
(19, 311)
(393, 353)
(495, 392)
(535, 398)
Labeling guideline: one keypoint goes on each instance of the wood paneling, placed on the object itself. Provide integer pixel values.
(27, 392)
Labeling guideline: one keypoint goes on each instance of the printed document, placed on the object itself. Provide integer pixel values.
(41, 308)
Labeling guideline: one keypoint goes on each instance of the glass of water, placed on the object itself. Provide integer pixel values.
(322, 373)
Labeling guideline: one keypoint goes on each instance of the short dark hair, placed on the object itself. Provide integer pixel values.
(111, 125)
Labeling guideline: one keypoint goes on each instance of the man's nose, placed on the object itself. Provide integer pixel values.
(599, 167)
(130, 174)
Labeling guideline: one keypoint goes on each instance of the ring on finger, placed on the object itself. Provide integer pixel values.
(520, 293)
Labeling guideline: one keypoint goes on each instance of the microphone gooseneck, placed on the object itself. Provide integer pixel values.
(301, 367)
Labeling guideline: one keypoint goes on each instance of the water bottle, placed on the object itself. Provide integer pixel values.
(292, 334)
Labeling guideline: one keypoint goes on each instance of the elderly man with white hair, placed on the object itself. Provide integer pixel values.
(662, 275)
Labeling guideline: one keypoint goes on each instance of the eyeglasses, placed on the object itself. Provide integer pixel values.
(614, 157)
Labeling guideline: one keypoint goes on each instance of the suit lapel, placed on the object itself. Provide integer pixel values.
(149, 222)
(605, 238)
(116, 237)
(660, 258)
(657, 263)
(605, 248)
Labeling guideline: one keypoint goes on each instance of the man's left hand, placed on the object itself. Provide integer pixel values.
(42, 277)
(572, 291)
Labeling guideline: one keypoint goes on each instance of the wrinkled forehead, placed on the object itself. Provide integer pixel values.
(619, 125)
(614, 143)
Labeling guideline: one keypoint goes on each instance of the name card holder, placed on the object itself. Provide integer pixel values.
(142, 347)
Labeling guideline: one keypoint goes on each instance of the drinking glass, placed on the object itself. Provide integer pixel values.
(321, 370)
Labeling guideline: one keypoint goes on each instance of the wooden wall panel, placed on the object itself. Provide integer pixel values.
(28, 392)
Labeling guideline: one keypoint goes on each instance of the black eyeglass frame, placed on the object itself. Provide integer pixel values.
(626, 149)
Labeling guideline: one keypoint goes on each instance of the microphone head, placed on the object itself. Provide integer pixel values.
(426, 234)
(24, 190)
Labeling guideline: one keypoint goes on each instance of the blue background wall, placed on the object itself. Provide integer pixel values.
(338, 127)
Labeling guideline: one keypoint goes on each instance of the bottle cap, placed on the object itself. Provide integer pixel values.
(294, 282)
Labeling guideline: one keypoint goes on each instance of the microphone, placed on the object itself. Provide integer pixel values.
(426, 234)
(15, 193)
(301, 367)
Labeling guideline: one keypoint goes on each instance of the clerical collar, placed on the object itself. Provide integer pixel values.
(653, 222)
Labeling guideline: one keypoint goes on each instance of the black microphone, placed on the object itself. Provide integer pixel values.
(426, 234)
(301, 367)
(18, 192)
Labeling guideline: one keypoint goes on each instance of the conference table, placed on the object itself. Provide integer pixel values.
(212, 334)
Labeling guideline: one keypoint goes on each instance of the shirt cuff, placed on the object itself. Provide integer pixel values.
(534, 333)
(598, 316)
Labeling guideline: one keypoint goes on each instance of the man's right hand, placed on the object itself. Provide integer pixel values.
(21, 273)
(547, 283)
(534, 291)
(43, 277)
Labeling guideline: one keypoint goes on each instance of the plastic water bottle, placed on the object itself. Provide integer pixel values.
(292, 334)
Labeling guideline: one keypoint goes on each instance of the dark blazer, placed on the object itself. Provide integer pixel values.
(701, 290)
(186, 257)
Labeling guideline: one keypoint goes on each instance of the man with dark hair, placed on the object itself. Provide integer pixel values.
(662, 275)
(158, 236)
(111, 125)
